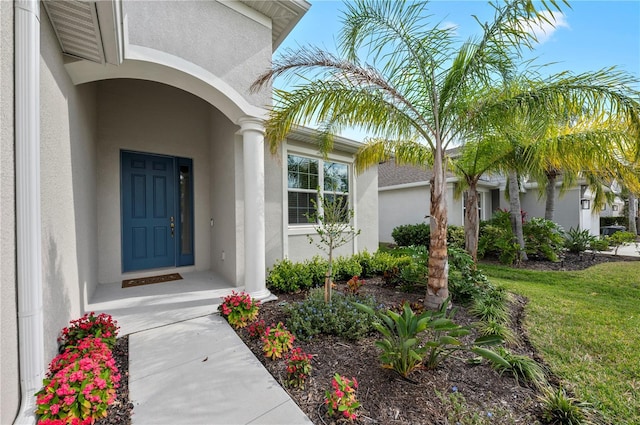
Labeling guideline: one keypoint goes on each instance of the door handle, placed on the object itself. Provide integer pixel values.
(173, 226)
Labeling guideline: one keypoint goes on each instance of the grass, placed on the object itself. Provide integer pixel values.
(586, 326)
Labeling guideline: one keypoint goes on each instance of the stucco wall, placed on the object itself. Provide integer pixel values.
(410, 205)
(67, 137)
(274, 224)
(567, 207)
(9, 368)
(223, 186)
(211, 35)
(149, 117)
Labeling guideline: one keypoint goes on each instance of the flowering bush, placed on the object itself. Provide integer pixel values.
(354, 284)
(277, 340)
(342, 399)
(101, 326)
(80, 385)
(257, 329)
(298, 367)
(239, 309)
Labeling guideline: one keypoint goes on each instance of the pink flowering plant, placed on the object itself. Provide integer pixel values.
(341, 400)
(101, 326)
(239, 309)
(276, 341)
(298, 368)
(257, 328)
(80, 385)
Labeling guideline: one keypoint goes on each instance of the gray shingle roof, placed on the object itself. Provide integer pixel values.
(390, 174)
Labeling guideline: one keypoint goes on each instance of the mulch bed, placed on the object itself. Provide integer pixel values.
(387, 398)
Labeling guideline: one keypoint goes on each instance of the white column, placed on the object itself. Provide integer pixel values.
(252, 130)
(29, 233)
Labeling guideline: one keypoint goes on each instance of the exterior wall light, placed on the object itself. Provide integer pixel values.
(585, 204)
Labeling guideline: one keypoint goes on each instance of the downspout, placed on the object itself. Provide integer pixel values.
(28, 231)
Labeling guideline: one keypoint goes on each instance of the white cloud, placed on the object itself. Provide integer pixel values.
(544, 27)
(448, 25)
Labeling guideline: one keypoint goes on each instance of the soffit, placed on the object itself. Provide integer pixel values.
(284, 15)
(76, 26)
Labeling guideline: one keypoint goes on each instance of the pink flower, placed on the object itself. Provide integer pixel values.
(69, 400)
(55, 408)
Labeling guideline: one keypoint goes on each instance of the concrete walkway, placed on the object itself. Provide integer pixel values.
(186, 364)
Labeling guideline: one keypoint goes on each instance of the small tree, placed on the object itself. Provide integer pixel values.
(332, 218)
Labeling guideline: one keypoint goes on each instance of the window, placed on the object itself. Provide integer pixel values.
(305, 176)
(480, 203)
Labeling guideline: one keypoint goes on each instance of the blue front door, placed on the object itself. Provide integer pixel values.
(148, 211)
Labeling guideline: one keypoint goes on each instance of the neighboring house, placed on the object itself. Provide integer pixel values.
(404, 198)
(131, 144)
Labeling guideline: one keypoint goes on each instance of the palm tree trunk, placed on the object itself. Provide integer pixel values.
(437, 285)
(633, 213)
(516, 213)
(550, 205)
(471, 221)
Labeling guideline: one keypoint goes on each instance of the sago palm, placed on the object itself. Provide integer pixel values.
(413, 92)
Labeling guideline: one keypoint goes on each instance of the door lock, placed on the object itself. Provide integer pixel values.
(173, 226)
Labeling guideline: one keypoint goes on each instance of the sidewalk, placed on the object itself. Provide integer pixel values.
(200, 372)
(187, 366)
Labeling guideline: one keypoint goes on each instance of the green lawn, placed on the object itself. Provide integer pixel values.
(586, 325)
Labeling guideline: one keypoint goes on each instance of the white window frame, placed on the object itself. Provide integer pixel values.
(307, 228)
(482, 195)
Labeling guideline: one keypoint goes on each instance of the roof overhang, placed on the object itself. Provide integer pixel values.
(91, 30)
(310, 136)
(284, 15)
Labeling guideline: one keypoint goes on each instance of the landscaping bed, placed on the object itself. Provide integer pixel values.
(453, 392)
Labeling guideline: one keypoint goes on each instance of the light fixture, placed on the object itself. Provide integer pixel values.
(614, 207)
(585, 204)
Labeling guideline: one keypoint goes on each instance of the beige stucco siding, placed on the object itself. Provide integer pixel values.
(9, 375)
(67, 163)
(411, 205)
(231, 46)
(223, 186)
(149, 117)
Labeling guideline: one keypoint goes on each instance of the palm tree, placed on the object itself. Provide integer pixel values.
(415, 92)
(569, 124)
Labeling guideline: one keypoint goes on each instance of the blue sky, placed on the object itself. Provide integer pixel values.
(588, 36)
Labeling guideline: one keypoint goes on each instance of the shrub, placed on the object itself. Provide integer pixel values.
(386, 262)
(101, 326)
(339, 317)
(560, 409)
(80, 385)
(420, 235)
(287, 276)
(465, 281)
(544, 239)
(411, 234)
(317, 268)
(276, 341)
(619, 239)
(488, 308)
(455, 237)
(599, 244)
(344, 268)
(341, 400)
(577, 240)
(239, 309)
(298, 368)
